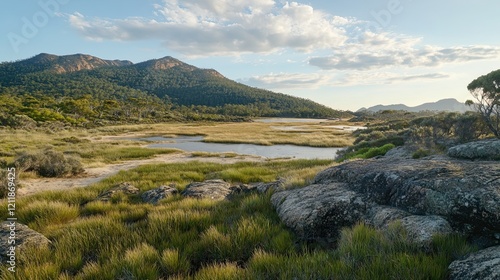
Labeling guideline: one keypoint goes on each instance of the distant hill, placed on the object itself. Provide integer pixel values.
(120, 89)
(450, 105)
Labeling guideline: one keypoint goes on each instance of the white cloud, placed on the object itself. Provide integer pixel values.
(379, 50)
(224, 27)
(235, 27)
(288, 80)
(381, 77)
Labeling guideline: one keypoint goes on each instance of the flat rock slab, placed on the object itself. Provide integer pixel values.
(123, 188)
(211, 189)
(157, 194)
(484, 265)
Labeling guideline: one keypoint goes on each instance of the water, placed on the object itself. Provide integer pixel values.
(195, 144)
(290, 120)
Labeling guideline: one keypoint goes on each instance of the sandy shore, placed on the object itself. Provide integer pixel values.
(94, 175)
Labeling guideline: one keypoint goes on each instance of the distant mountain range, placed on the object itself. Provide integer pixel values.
(450, 105)
(166, 82)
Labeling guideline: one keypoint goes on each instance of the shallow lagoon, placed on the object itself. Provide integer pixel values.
(195, 144)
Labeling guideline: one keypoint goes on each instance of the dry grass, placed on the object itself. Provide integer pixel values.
(315, 135)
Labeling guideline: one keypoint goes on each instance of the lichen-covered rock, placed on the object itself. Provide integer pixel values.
(157, 194)
(24, 236)
(212, 189)
(319, 211)
(484, 265)
(465, 193)
(382, 216)
(421, 229)
(123, 188)
(484, 150)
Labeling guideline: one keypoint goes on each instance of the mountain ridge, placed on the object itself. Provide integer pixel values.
(448, 104)
(87, 87)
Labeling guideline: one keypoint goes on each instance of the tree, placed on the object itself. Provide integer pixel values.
(486, 91)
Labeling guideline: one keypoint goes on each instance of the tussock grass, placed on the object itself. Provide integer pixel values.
(186, 238)
(39, 214)
(110, 154)
(221, 271)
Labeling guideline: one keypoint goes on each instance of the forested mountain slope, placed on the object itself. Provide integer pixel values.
(81, 88)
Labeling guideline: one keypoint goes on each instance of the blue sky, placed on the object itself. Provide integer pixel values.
(344, 54)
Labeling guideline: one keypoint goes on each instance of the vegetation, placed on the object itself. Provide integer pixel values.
(423, 133)
(48, 163)
(34, 91)
(184, 238)
(486, 91)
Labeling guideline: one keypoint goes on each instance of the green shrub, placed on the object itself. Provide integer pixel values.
(49, 163)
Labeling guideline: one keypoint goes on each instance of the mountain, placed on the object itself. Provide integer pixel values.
(68, 63)
(450, 104)
(85, 87)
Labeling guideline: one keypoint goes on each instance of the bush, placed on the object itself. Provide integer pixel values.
(365, 153)
(420, 153)
(48, 163)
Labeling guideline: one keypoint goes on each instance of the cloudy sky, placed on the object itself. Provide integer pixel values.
(345, 54)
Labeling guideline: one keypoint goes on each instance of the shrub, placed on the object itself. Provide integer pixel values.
(49, 163)
(420, 153)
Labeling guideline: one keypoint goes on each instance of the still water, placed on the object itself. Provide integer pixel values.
(195, 144)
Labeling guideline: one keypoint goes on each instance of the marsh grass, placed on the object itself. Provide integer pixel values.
(186, 238)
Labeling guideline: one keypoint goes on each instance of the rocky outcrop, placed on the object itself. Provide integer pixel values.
(24, 237)
(212, 189)
(484, 265)
(123, 188)
(157, 194)
(319, 211)
(479, 150)
(431, 195)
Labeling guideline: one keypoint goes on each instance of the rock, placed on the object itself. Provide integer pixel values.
(484, 265)
(484, 150)
(274, 186)
(123, 188)
(421, 229)
(24, 236)
(319, 211)
(464, 194)
(382, 216)
(242, 189)
(155, 195)
(212, 189)
(400, 152)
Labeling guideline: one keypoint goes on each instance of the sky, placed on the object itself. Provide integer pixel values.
(345, 54)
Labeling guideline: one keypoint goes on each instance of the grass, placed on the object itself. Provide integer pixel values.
(316, 135)
(185, 238)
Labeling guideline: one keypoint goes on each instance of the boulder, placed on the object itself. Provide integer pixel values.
(479, 150)
(155, 195)
(421, 229)
(24, 237)
(319, 211)
(484, 265)
(436, 193)
(212, 189)
(123, 188)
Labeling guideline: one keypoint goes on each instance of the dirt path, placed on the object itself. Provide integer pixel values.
(94, 175)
